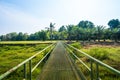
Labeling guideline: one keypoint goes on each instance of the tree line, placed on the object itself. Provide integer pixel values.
(84, 30)
(40, 35)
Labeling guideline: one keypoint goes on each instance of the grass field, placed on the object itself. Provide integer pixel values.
(11, 55)
(105, 53)
(26, 42)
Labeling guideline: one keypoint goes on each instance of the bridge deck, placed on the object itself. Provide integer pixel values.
(59, 66)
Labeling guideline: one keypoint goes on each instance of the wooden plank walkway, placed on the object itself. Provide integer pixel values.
(59, 66)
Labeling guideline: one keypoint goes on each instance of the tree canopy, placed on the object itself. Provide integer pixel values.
(86, 24)
(114, 23)
(85, 30)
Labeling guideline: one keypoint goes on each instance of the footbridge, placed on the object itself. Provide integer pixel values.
(60, 64)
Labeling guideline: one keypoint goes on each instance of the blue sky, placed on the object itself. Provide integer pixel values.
(33, 15)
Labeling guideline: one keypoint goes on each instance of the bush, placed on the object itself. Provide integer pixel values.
(77, 45)
(99, 53)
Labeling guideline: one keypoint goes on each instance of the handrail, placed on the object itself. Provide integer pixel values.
(40, 61)
(92, 59)
(96, 60)
(79, 60)
(24, 62)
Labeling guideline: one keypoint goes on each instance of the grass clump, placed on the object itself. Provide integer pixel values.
(98, 53)
(107, 54)
(12, 55)
(77, 45)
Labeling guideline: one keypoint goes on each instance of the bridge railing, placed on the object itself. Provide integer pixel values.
(29, 60)
(92, 60)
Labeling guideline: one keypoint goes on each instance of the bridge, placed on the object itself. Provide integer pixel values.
(61, 66)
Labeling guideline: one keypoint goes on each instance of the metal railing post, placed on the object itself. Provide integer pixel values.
(91, 67)
(30, 69)
(97, 71)
(25, 71)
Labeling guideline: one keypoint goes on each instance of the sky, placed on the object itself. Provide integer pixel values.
(30, 16)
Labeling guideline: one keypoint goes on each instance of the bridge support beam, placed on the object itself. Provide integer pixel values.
(25, 72)
(91, 67)
(30, 69)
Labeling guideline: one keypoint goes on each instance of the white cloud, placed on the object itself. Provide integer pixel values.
(17, 20)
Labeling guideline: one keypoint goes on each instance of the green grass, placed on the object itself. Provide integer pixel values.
(77, 45)
(26, 42)
(107, 54)
(11, 55)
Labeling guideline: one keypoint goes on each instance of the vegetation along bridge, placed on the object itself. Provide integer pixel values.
(61, 65)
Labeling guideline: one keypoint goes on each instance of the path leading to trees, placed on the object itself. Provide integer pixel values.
(59, 66)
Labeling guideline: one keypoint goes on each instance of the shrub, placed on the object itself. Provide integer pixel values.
(77, 45)
(99, 53)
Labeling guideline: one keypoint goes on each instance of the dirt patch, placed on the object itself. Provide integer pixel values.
(87, 45)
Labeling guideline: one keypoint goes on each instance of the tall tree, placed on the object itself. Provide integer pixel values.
(76, 33)
(114, 23)
(51, 30)
(107, 34)
(62, 28)
(86, 24)
(115, 33)
(69, 31)
(20, 36)
(31, 37)
(89, 32)
(3, 38)
(25, 36)
(43, 35)
(62, 33)
(99, 30)
(14, 36)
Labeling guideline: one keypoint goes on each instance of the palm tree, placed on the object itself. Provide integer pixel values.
(51, 30)
(91, 32)
(69, 31)
(82, 34)
(76, 32)
(99, 30)
(106, 34)
(115, 34)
